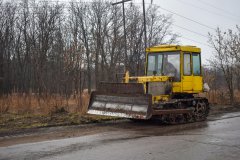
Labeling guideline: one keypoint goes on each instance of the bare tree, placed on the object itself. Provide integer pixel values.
(7, 22)
(225, 57)
(82, 14)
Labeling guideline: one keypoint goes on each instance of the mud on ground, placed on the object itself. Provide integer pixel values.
(12, 124)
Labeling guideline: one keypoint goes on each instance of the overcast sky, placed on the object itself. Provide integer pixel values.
(213, 13)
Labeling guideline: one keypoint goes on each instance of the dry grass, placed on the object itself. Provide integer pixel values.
(222, 97)
(21, 111)
(34, 104)
(31, 103)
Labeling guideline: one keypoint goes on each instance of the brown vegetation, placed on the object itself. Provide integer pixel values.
(46, 104)
(222, 97)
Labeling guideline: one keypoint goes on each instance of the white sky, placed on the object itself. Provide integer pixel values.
(227, 16)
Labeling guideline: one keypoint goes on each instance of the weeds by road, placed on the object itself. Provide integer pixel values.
(10, 122)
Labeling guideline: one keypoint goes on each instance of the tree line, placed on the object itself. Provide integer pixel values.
(62, 48)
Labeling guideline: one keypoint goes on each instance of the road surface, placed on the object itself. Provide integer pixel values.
(216, 139)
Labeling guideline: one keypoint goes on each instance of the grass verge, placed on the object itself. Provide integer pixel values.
(10, 122)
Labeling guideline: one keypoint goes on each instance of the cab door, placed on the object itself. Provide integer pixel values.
(187, 78)
(197, 73)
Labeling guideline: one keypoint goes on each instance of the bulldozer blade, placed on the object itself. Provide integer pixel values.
(136, 106)
(121, 100)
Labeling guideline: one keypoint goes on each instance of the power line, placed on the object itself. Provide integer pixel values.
(196, 41)
(190, 31)
(221, 9)
(206, 10)
(204, 25)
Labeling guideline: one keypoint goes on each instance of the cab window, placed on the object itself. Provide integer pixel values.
(187, 64)
(164, 64)
(196, 64)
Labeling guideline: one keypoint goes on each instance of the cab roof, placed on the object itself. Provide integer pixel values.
(165, 48)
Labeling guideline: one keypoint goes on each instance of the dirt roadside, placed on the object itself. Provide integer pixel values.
(19, 123)
(91, 125)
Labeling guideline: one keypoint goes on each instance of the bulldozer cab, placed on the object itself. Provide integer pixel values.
(169, 70)
(183, 63)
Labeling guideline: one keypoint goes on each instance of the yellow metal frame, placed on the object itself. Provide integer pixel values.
(145, 79)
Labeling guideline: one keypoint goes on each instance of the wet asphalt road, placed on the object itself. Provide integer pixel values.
(218, 139)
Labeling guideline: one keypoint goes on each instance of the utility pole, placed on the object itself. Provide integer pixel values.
(124, 29)
(144, 25)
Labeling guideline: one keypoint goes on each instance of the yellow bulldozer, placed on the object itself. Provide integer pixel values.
(169, 90)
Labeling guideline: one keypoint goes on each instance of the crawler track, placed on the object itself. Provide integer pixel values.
(180, 111)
